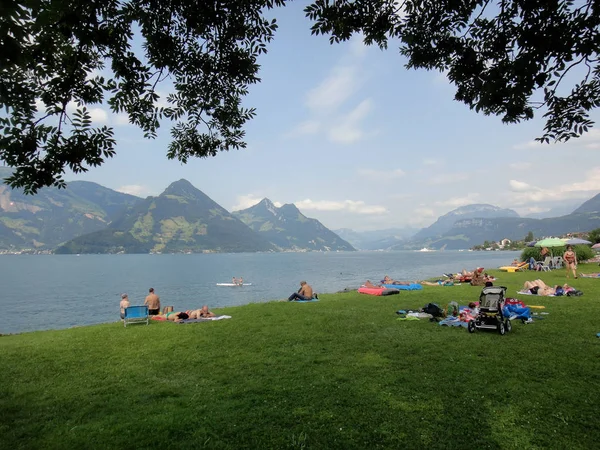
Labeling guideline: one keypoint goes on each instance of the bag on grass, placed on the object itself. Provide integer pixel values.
(433, 309)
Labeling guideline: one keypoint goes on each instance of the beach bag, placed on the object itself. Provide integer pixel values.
(434, 310)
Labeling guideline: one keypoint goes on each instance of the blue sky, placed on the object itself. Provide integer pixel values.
(357, 141)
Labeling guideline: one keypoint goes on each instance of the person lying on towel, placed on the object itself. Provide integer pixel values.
(448, 282)
(538, 287)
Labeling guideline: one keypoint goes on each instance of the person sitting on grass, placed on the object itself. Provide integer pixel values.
(304, 293)
(478, 279)
(124, 304)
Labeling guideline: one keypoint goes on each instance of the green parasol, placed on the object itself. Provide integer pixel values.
(550, 242)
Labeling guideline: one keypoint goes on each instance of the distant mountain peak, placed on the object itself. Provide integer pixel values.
(290, 207)
(268, 205)
(183, 188)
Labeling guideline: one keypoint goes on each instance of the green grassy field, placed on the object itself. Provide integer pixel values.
(341, 373)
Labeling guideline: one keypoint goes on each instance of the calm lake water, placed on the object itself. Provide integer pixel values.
(60, 291)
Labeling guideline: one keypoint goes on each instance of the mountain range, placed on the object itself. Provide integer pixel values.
(90, 218)
(56, 215)
(180, 220)
(470, 225)
(288, 229)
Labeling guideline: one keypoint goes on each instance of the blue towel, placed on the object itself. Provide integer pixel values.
(404, 287)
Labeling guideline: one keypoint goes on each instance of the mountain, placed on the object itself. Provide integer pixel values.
(469, 232)
(53, 215)
(288, 229)
(180, 220)
(446, 222)
(376, 239)
(591, 206)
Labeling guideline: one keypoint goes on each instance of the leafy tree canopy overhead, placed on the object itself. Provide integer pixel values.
(507, 58)
(50, 51)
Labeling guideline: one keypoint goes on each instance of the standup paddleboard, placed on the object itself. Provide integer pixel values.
(231, 284)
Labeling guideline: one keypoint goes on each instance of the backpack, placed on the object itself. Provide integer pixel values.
(434, 310)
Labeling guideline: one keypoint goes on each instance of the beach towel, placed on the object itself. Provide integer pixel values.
(529, 293)
(404, 287)
(453, 322)
(204, 319)
(305, 301)
(408, 318)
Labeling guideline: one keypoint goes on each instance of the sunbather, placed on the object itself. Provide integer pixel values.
(437, 283)
(177, 316)
(538, 287)
(370, 285)
(200, 313)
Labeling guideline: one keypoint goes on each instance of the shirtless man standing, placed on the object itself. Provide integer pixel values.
(153, 302)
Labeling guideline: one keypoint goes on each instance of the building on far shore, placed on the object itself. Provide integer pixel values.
(504, 242)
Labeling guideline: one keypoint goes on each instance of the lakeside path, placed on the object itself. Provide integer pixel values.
(339, 373)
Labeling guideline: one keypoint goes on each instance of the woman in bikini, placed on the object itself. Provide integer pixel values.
(570, 259)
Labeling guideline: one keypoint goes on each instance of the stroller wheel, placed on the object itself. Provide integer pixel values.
(508, 326)
(471, 326)
(501, 328)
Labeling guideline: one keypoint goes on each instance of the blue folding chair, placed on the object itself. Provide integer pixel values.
(136, 314)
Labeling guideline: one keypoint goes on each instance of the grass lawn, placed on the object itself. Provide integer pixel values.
(341, 373)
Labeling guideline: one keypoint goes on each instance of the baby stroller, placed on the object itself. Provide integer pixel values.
(491, 301)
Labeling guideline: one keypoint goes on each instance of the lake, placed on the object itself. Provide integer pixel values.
(60, 291)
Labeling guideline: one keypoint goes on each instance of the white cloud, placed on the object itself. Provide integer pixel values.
(334, 90)
(526, 193)
(358, 207)
(98, 115)
(448, 178)
(530, 145)
(455, 202)
(357, 45)
(121, 119)
(347, 130)
(589, 140)
(520, 166)
(520, 186)
(304, 128)
(136, 189)
(381, 174)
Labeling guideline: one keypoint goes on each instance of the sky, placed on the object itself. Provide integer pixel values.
(355, 140)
